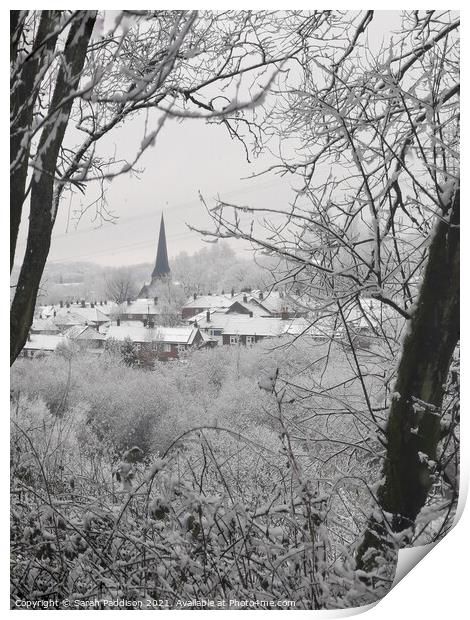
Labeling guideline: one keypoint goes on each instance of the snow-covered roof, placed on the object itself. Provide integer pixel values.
(42, 325)
(274, 301)
(92, 315)
(139, 306)
(243, 324)
(43, 342)
(83, 332)
(321, 327)
(209, 301)
(76, 315)
(138, 333)
(369, 313)
(67, 317)
(108, 308)
(250, 306)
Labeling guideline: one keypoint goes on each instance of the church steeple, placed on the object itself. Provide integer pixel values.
(162, 268)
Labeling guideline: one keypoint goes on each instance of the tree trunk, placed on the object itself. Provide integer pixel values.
(414, 418)
(24, 92)
(42, 216)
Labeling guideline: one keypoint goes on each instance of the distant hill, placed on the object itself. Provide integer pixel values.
(212, 269)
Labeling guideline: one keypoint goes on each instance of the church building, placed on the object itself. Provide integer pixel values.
(161, 271)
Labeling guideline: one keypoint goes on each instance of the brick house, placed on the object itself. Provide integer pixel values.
(163, 343)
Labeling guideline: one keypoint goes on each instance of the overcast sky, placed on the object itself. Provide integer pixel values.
(188, 157)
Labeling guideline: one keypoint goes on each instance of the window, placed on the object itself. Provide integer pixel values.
(181, 348)
(250, 340)
(233, 339)
(167, 348)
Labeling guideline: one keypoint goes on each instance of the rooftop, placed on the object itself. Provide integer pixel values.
(40, 325)
(138, 333)
(83, 332)
(139, 306)
(43, 342)
(209, 301)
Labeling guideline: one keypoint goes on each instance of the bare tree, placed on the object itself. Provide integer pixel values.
(121, 286)
(376, 216)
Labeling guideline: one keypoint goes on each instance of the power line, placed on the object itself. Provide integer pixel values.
(143, 216)
(154, 214)
(113, 250)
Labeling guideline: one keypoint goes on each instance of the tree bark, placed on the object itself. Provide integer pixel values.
(24, 92)
(42, 215)
(414, 418)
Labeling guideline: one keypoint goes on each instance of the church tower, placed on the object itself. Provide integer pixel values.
(161, 270)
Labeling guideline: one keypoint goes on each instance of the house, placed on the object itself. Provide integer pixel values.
(273, 303)
(44, 326)
(277, 304)
(230, 328)
(142, 309)
(246, 306)
(76, 314)
(202, 303)
(41, 344)
(91, 314)
(163, 343)
(86, 337)
(146, 311)
(68, 319)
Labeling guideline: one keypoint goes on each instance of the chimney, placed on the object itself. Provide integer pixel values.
(245, 299)
(118, 321)
(92, 305)
(208, 316)
(194, 296)
(251, 314)
(260, 295)
(61, 303)
(155, 300)
(284, 314)
(128, 301)
(67, 304)
(232, 292)
(223, 292)
(101, 303)
(83, 303)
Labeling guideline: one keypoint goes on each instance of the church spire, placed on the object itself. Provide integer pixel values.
(162, 268)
